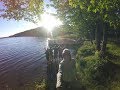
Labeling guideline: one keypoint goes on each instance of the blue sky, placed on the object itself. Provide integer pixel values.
(10, 27)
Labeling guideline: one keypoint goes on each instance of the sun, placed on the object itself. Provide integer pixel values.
(49, 22)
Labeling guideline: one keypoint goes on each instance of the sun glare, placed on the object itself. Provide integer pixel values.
(49, 22)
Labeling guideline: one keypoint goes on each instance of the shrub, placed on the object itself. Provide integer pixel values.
(86, 49)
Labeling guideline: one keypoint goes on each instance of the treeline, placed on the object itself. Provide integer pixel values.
(97, 20)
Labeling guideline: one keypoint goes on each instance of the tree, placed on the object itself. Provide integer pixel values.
(108, 10)
(75, 20)
(29, 10)
(80, 13)
(108, 14)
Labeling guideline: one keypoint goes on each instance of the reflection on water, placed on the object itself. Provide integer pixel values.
(47, 44)
(22, 61)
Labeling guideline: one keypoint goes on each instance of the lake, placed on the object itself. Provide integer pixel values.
(22, 61)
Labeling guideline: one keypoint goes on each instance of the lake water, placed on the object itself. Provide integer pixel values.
(22, 61)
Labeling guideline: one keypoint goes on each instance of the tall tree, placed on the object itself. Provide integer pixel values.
(80, 13)
(75, 19)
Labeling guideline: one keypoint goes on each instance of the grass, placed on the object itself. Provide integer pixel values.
(113, 53)
(40, 86)
(95, 73)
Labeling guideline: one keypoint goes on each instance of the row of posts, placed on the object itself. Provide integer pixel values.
(53, 56)
(54, 52)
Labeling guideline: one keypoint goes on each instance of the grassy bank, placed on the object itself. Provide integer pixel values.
(95, 73)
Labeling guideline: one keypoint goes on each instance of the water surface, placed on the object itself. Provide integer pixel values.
(22, 61)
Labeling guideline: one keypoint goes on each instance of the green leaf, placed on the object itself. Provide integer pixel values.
(92, 1)
(89, 8)
(105, 15)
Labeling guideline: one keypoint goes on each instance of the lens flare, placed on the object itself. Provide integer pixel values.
(49, 22)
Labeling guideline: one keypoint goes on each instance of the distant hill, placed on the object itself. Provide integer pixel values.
(37, 32)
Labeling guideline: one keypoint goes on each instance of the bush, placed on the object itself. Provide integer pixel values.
(86, 49)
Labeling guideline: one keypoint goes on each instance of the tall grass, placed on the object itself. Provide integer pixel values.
(95, 73)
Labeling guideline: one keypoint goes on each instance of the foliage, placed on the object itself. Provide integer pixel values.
(91, 19)
(87, 69)
(75, 20)
(113, 53)
(95, 73)
(86, 49)
(107, 15)
(29, 10)
(113, 49)
(109, 10)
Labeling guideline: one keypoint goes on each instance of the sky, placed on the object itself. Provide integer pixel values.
(10, 27)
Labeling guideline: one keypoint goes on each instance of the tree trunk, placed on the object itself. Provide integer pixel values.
(91, 38)
(103, 48)
(98, 35)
